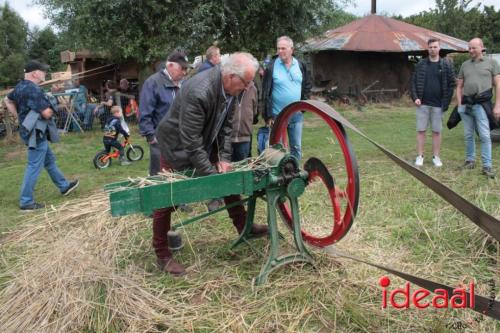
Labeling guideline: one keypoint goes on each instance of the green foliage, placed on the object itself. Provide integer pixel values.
(13, 32)
(458, 19)
(43, 45)
(147, 32)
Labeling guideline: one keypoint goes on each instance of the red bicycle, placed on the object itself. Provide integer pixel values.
(103, 159)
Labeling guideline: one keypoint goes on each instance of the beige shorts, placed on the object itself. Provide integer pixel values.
(432, 114)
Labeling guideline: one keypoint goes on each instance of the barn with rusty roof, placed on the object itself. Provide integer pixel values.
(372, 55)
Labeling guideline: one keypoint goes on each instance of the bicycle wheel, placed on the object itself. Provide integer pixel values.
(102, 160)
(135, 153)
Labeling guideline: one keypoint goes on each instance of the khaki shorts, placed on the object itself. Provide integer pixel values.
(432, 114)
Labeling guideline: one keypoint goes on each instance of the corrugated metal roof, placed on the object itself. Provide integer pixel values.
(376, 33)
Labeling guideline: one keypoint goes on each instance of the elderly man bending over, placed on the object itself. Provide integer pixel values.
(196, 134)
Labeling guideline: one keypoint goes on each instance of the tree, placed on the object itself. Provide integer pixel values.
(490, 29)
(13, 34)
(44, 46)
(457, 19)
(146, 32)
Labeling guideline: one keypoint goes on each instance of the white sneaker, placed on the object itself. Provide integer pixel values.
(437, 161)
(419, 161)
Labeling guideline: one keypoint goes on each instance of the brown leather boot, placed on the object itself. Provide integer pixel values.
(169, 265)
(259, 230)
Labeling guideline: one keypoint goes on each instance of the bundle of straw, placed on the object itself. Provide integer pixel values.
(68, 280)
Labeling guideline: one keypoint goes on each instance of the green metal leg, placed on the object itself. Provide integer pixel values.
(274, 261)
(297, 234)
(246, 234)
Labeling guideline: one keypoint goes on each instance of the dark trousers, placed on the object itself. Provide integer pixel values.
(241, 150)
(108, 143)
(154, 159)
(162, 221)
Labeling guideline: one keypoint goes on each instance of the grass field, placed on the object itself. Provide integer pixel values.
(400, 223)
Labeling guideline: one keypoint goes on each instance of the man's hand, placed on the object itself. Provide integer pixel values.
(496, 112)
(151, 139)
(418, 102)
(223, 167)
(47, 113)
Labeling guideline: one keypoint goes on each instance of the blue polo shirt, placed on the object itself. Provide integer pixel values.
(287, 84)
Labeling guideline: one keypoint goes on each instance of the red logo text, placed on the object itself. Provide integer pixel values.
(400, 298)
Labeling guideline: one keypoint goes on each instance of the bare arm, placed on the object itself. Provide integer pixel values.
(496, 108)
(460, 91)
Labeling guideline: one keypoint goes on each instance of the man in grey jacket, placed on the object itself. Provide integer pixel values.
(196, 134)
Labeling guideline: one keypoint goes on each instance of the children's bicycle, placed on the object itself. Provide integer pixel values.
(103, 159)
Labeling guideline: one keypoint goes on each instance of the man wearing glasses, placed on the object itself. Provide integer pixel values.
(34, 112)
(286, 80)
(196, 134)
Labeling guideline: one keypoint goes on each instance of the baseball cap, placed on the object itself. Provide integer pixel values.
(34, 65)
(180, 58)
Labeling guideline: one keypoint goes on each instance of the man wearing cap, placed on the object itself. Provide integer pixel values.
(30, 104)
(157, 94)
(196, 135)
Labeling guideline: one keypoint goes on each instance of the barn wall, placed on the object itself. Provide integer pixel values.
(353, 71)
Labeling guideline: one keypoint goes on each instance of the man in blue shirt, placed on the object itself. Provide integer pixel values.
(157, 94)
(286, 80)
(28, 97)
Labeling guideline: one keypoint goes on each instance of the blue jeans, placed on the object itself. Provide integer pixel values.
(85, 114)
(476, 119)
(294, 129)
(295, 126)
(241, 150)
(38, 158)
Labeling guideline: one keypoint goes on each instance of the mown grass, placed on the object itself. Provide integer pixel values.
(400, 223)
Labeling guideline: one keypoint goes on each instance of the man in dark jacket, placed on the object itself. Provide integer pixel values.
(286, 80)
(431, 89)
(196, 134)
(157, 95)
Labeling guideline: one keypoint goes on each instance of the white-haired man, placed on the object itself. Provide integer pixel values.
(32, 107)
(157, 95)
(286, 80)
(196, 134)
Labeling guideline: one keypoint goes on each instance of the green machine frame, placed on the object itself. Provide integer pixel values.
(276, 181)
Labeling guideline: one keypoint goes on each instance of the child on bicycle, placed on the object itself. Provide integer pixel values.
(112, 129)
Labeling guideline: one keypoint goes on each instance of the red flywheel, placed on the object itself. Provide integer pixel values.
(338, 173)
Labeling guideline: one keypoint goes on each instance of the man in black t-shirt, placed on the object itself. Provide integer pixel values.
(431, 89)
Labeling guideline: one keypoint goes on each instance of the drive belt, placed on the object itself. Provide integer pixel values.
(482, 219)
(484, 305)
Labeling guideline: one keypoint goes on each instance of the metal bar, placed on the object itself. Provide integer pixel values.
(204, 215)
